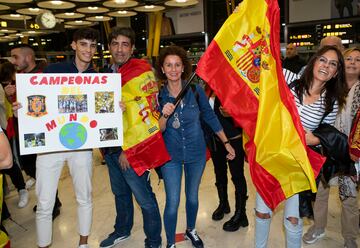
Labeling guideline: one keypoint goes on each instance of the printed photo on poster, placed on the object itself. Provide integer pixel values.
(72, 103)
(104, 102)
(34, 139)
(108, 134)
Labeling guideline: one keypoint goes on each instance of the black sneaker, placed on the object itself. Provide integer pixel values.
(194, 237)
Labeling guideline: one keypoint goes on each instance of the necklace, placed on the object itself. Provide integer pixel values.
(176, 122)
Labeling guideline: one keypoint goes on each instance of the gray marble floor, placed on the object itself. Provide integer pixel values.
(23, 233)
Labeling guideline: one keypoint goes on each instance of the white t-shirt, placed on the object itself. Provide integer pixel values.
(311, 114)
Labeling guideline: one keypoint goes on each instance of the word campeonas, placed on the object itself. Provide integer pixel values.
(72, 80)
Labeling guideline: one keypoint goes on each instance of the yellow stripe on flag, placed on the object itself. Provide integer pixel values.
(139, 122)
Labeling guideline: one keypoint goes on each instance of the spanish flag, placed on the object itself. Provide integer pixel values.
(143, 142)
(4, 239)
(242, 65)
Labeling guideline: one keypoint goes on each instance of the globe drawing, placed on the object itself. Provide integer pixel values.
(73, 135)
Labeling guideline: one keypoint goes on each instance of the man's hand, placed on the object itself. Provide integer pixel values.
(124, 163)
(122, 106)
(15, 107)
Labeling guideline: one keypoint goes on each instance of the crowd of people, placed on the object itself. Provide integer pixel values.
(325, 90)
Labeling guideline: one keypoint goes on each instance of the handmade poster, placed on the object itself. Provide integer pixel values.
(68, 111)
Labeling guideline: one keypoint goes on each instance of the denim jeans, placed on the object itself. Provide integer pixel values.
(124, 183)
(262, 226)
(172, 174)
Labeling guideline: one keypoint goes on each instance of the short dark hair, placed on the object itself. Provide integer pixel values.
(124, 31)
(173, 50)
(87, 34)
(22, 45)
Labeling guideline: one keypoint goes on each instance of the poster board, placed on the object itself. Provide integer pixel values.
(68, 111)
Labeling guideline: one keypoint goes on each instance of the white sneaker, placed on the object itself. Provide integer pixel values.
(23, 198)
(84, 246)
(29, 183)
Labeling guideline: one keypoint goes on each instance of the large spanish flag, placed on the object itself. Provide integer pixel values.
(242, 65)
(143, 142)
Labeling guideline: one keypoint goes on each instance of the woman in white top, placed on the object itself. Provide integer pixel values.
(322, 82)
(347, 183)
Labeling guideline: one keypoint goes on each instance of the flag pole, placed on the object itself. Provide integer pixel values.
(182, 92)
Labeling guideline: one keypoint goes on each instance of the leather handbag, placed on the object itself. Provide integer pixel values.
(335, 147)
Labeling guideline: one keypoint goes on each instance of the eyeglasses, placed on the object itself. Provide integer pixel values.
(352, 59)
(333, 64)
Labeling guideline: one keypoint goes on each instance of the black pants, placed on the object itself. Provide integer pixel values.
(28, 163)
(236, 165)
(16, 176)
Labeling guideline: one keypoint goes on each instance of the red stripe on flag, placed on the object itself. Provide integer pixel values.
(148, 154)
(133, 68)
(240, 101)
(316, 160)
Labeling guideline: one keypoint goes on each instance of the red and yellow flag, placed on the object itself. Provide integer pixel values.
(4, 239)
(143, 142)
(242, 65)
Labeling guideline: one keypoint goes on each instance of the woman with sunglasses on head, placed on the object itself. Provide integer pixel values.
(321, 88)
(345, 175)
(184, 140)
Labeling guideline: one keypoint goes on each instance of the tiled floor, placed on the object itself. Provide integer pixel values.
(23, 234)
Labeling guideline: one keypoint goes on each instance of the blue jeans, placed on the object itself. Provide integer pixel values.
(172, 174)
(124, 183)
(262, 226)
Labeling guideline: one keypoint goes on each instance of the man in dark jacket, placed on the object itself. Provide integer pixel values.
(292, 60)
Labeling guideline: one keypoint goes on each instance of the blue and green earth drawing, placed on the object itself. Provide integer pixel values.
(73, 135)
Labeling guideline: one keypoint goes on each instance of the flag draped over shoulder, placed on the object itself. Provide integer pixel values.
(242, 65)
(143, 142)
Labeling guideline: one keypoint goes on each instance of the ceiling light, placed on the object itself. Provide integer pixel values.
(93, 8)
(14, 15)
(78, 21)
(120, 1)
(69, 13)
(34, 9)
(181, 1)
(149, 6)
(57, 2)
(99, 17)
(4, 30)
(123, 12)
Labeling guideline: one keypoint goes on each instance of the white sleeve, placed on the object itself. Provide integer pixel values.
(289, 76)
